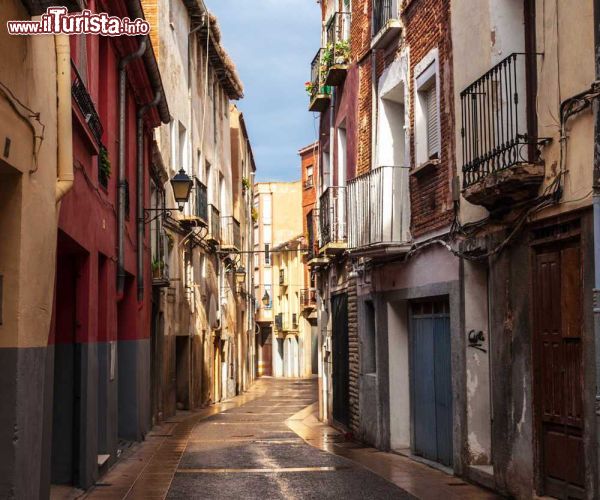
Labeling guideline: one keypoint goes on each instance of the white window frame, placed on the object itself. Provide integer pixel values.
(425, 71)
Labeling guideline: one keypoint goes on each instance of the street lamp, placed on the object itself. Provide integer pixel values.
(240, 275)
(182, 187)
(266, 300)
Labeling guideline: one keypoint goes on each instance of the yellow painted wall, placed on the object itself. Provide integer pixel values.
(28, 215)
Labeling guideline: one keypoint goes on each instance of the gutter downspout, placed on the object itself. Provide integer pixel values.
(140, 192)
(64, 154)
(121, 178)
(596, 223)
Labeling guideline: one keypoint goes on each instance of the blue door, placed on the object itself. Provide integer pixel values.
(431, 386)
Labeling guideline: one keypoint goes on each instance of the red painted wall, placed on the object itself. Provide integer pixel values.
(88, 213)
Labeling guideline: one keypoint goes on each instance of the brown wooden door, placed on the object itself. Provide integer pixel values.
(558, 367)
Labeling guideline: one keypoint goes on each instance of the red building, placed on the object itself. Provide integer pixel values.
(98, 386)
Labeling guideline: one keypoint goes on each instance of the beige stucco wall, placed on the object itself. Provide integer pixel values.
(285, 218)
(27, 189)
(194, 309)
(564, 36)
(287, 301)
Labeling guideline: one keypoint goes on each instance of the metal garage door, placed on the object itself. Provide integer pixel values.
(431, 385)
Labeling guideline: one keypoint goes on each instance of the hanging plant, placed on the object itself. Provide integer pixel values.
(104, 167)
(309, 87)
(246, 184)
(254, 214)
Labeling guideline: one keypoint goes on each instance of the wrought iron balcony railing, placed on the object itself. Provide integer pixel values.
(379, 208)
(332, 216)
(214, 223)
(279, 321)
(308, 298)
(84, 101)
(231, 234)
(201, 201)
(383, 11)
(313, 234)
(494, 121)
(318, 92)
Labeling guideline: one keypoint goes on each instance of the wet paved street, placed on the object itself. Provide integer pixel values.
(268, 444)
(250, 452)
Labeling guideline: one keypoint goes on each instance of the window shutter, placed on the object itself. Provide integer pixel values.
(433, 117)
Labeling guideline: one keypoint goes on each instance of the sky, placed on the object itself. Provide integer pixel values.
(272, 43)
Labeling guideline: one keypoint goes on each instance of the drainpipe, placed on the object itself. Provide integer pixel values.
(596, 216)
(121, 179)
(140, 191)
(64, 156)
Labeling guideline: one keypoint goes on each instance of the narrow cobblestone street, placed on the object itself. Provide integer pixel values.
(268, 444)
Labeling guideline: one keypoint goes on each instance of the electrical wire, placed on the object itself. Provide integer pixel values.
(13, 101)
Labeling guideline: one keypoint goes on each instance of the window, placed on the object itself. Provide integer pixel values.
(427, 113)
(432, 119)
(267, 254)
(309, 177)
(182, 156)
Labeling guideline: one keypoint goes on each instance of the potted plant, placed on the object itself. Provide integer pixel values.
(157, 268)
(309, 87)
(245, 184)
(254, 214)
(342, 52)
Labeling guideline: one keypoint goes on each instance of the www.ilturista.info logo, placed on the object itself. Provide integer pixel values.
(57, 20)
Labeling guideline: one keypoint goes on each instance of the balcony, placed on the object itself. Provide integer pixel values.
(386, 23)
(196, 213)
(231, 234)
(282, 278)
(501, 164)
(379, 210)
(319, 93)
(332, 220)
(308, 298)
(85, 104)
(336, 54)
(214, 224)
(286, 322)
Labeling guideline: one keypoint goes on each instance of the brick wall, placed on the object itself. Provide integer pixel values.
(151, 9)
(308, 157)
(427, 26)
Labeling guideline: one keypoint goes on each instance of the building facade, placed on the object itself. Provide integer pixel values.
(454, 256)
(277, 218)
(201, 314)
(142, 305)
(292, 353)
(309, 165)
(29, 177)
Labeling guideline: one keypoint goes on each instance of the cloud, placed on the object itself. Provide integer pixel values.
(272, 43)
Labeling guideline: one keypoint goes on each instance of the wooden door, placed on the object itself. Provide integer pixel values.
(341, 355)
(431, 381)
(557, 295)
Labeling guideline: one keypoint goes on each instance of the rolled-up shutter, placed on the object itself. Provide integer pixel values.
(433, 117)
